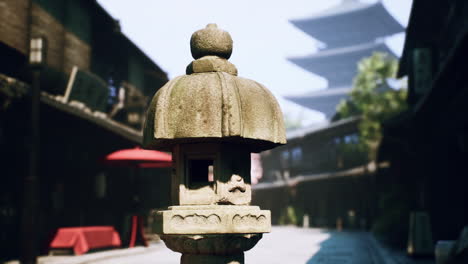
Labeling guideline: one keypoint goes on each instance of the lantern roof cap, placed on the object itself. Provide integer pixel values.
(212, 104)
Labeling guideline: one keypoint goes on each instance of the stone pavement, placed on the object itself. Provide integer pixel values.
(283, 245)
(312, 246)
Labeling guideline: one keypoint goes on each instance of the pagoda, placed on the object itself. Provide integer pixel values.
(350, 32)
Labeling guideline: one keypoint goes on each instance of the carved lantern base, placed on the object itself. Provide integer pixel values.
(212, 233)
(213, 219)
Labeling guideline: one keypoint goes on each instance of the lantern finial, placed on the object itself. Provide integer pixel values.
(211, 41)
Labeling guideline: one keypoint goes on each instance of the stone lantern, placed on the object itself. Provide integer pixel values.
(212, 121)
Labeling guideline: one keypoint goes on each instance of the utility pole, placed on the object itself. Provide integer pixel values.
(29, 216)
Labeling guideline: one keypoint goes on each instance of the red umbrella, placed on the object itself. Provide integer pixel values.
(141, 158)
(138, 158)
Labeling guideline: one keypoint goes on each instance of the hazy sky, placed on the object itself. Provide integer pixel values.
(263, 38)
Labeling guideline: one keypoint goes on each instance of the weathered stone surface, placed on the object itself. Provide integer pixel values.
(235, 191)
(231, 175)
(215, 219)
(211, 41)
(212, 104)
(211, 64)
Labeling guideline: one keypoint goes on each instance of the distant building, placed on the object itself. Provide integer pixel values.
(95, 86)
(349, 31)
(321, 173)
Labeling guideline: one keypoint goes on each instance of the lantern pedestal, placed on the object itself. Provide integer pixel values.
(212, 233)
(211, 248)
(212, 259)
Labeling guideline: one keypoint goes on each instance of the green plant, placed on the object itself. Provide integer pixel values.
(288, 216)
(373, 99)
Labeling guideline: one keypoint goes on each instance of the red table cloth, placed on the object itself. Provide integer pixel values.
(82, 239)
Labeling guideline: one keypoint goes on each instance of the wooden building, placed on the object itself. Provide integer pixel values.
(320, 173)
(427, 145)
(89, 62)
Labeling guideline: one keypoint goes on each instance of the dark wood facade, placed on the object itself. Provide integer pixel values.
(427, 145)
(73, 188)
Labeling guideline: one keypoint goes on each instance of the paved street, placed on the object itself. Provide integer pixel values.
(283, 245)
(294, 245)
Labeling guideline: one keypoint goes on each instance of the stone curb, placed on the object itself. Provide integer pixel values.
(96, 257)
(93, 257)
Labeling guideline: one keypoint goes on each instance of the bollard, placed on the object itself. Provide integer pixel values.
(420, 236)
(305, 221)
(212, 121)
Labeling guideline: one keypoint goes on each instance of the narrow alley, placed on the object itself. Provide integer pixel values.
(283, 245)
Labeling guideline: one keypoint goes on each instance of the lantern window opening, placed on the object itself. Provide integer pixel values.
(200, 171)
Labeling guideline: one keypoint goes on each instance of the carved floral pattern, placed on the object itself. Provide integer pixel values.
(197, 220)
(249, 220)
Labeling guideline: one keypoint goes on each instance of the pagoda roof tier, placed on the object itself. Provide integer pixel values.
(324, 101)
(339, 66)
(350, 23)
